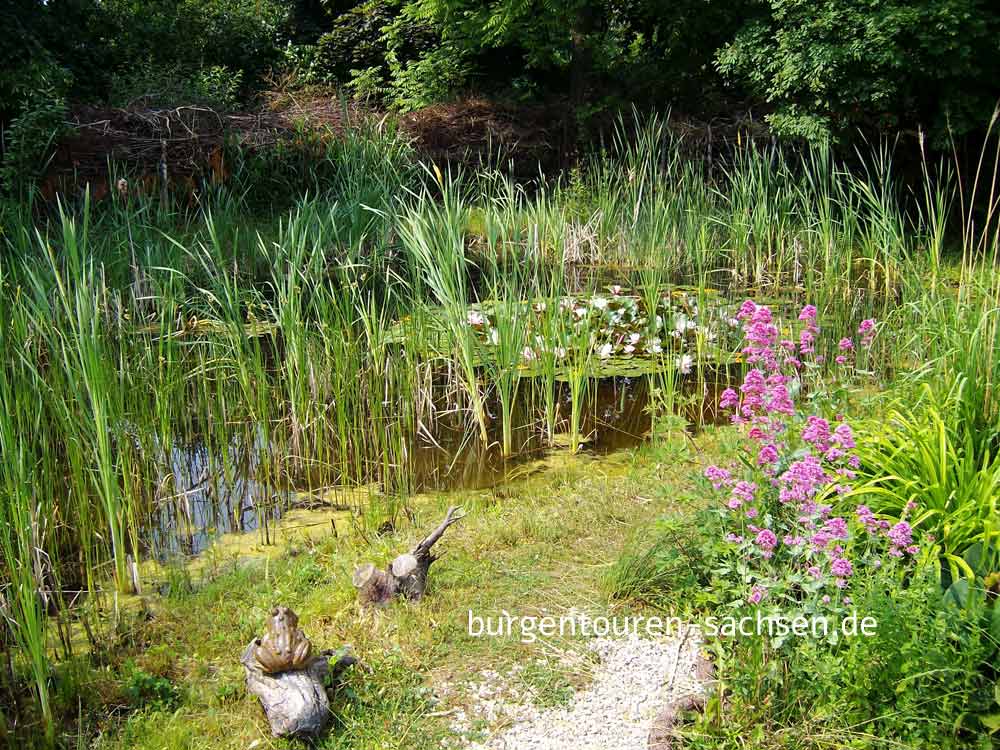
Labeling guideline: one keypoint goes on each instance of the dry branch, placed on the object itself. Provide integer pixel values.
(406, 576)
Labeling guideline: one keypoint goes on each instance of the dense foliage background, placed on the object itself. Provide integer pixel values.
(814, 70)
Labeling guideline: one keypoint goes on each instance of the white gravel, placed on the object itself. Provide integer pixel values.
(634, 680)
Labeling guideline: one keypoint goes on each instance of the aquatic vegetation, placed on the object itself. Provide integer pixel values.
(615, 326)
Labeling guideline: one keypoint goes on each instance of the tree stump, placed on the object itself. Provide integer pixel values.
(295, 701)
(406, 576)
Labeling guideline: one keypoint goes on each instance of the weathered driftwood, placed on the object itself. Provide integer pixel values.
(406, 576)
(290, 683)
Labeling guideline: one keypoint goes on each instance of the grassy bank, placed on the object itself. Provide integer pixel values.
(543, 544)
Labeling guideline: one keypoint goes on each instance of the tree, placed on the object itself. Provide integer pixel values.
(596, 53)
(829, 67)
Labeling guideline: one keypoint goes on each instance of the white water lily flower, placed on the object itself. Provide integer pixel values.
(629, 349)
(579, 311)
(684, 364)
(475, 318)
(634, 338)
(560, 352)
(654, 347)
(659, 322)
(599, 302)
(605, 351)
(529, 354)
(616, 290)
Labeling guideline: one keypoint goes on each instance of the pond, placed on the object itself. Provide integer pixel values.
(599, 398)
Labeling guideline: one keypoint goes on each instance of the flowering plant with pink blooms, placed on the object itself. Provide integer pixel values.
(785, 542)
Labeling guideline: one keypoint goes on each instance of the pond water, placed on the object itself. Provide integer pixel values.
(205, 492)
(211, 494)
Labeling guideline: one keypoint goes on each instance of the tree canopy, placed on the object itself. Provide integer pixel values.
(816, 69)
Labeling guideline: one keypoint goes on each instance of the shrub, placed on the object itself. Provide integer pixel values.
(238, 35)
(923, 679)
(356, 41)
(783, 540)
(39, 100)
(831, 66)
(926, 677)
(432, 78)
(216, 86)
(365, 166)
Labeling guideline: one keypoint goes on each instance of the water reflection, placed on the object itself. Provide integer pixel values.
(204, 493)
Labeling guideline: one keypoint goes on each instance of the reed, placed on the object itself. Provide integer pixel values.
(432, 232)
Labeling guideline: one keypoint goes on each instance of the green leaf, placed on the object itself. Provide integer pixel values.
(974, 557)
(991, 722)
(957, 594)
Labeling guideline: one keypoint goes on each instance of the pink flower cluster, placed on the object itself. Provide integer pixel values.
(900, 535)
(797, 458)
(846, 345)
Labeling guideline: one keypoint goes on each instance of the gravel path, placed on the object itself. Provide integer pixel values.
(635, 679)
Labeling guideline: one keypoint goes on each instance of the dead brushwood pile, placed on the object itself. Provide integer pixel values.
(184, 144)
(187, 143)
(185, 147)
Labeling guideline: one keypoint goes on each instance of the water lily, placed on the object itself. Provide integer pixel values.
(684, 364)
(475, 318)
(599, 303)
(628, 349)
(605, 351)
(683, 324)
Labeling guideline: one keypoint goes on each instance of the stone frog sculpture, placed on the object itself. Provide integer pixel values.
(284, 647)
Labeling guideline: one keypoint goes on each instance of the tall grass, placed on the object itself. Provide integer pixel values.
(318, 349)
